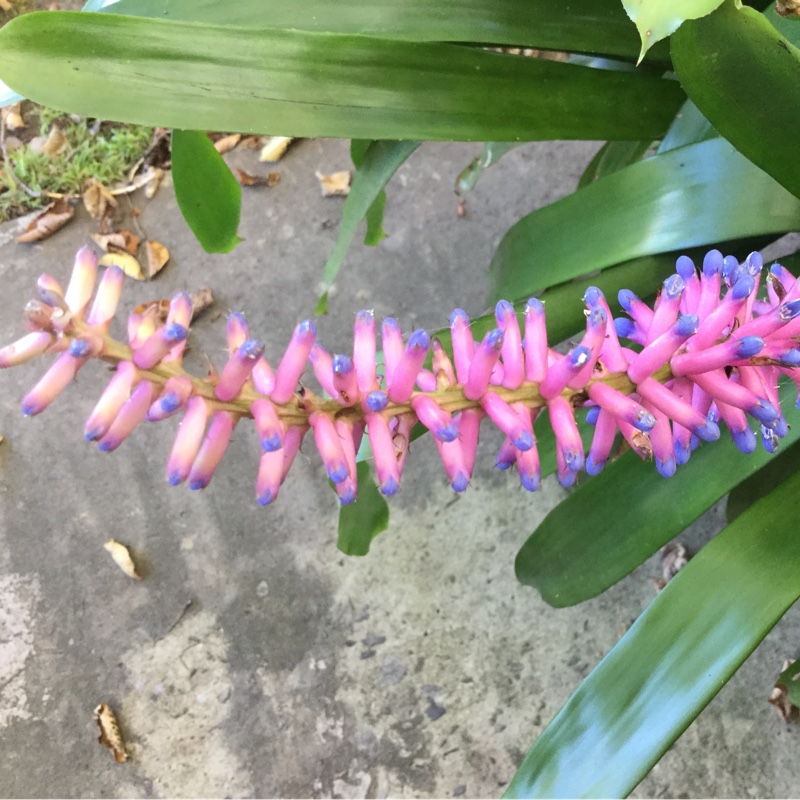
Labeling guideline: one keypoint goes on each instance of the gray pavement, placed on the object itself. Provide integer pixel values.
(254, 659)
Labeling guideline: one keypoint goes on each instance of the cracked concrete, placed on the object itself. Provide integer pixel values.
(254, 659)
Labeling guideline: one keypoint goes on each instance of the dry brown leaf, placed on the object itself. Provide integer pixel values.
(201, 300)
(788, 8)
(274, 148)
(13, 117)
(5, 5)
(252, 142)
(337, 184)
(110, 736)
(122, 557)
(55, 141)
(156, 175)
(158, 307)
(247, 179)
(1, 438)
(119, 241)
(674, 557)
(126, 262)
(157, 256)
(97, 199)
(52, 218)
(227, 143)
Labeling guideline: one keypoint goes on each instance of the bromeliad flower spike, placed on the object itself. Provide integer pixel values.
(708, 350)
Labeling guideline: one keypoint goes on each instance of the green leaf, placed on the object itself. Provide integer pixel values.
(673, 660)
(632, 511)
(655, 19)
(689, 127)
(375, 233)
(612, 157)
(362, 521)
(380, 162)
(693, 196)
(593, 26)
(195, 76)
(789, 679)
(745, 77)
(490, 154)
(208, 194)
(761, 483)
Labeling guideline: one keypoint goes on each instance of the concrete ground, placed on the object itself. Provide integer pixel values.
(254, 659)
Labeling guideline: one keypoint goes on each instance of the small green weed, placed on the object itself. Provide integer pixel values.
(102, 150)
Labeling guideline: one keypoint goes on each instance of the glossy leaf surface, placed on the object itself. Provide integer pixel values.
(761, 483)
(296, 83)
(592, 26)
(362, 521)
(689, 127)
(208, 195)
(632, 512)
(612, 157)
(673, 660)
(745, 78)
(696, 195)
(380, 161)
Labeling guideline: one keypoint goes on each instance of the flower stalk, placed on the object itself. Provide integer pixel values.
(697, 358)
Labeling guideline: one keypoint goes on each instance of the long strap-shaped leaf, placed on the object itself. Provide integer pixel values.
(674, 659)
(381, 161)
(588, 26)
(695, 195)
(296, 83)
(633, 512)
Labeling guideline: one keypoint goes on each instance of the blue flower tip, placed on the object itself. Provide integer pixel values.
(197, 484)
(745, 440)
(269, 444)
(502, 310)
(644, 421)
(743, 287)
(105, 447)
(593, 468)
(347, 497)
(523, 441)
(592, 414)
(170, 402)
(460, 482)
(687, 325)
(458, 315)
(265, 498)
(626, 298)
(708, 431)
(389, 487)
(342, 364)
(174, 478)
(673, 286)
(449, 433)
(567, 478)
(529, 482)
(494, 339)
(749, 346)
(419, 340)
(666, 467)
(712, 263)
(504, 463)
(377, 400)
(337, 472)
(684, 266)
(592, 296)
(534, 305)
(682, 453)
